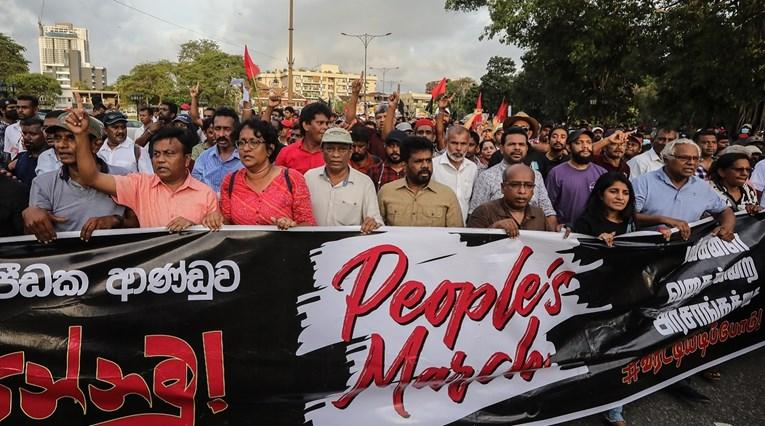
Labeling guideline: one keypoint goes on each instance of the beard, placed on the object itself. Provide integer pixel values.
(393, 158)
(421, 178)
(456, 157)
(356, 157)
(12, 115)
(579, 159)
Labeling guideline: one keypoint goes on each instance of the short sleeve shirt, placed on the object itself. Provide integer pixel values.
(344, 204)
(435, 205)
(156, 204)
(296, 157)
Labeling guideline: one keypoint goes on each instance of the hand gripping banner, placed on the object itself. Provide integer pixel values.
(325, 326)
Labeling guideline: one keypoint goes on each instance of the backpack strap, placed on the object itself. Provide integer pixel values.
(137, 155)
(287, 179)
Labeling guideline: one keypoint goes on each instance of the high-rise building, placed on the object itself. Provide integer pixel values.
(65, 56)
(327, 82)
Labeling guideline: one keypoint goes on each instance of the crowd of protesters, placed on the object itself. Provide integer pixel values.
(74, 171)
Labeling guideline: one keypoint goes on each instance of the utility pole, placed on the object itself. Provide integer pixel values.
(384, 71)
(365, 40)
(290, 59)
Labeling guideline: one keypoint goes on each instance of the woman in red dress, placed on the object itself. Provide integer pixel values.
(261, 193)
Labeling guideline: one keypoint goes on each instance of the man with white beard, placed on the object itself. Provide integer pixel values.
(453, 170)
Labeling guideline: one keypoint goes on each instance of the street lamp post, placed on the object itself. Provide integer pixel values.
(384, 71)
(365, 40)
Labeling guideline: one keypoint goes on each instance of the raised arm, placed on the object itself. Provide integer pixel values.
(443, 103)
(194, 91)
(78, 123)
(390, 115)
(353, 103)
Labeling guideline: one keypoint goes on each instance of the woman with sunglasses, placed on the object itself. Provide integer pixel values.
(728, 177)
(261, 193)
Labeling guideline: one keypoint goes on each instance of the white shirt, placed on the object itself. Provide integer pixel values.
(758, 180)
(139, 132)
(124, 156)
(12, 142)
(345, 204)
(645, 163)
(459, 180)
(47, 162)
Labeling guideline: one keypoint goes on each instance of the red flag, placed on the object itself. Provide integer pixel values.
(501, 112)
(478, 105)
(250, 68)
(439, 89)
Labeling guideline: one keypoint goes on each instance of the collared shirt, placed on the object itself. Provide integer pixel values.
(296, 157)
(197, 150)
(493, 211)
(488, 186)
(25, 167)
(366, 164)
(459, 180)
(656, 195)
(12, 140)
(47, 162)
(758, 179)
(139, 132)
(644, 163)
(210, 168)
(382, 173)
(748, 196)
(156, 204)
(58, 193)
(127, 155)
(434, 205)
(344, 204)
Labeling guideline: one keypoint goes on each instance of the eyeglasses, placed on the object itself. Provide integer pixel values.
(746, 170)
(519, 185)
(686, 158)
(251, 143)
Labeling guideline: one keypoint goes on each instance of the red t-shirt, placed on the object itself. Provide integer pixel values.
(295, 157)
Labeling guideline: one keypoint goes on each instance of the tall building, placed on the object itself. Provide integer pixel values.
(65, 56)
(327, 82)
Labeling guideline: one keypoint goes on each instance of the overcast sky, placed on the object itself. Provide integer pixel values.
(427, 42)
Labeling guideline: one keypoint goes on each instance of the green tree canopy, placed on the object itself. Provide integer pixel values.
(12, 55)
(43, 86)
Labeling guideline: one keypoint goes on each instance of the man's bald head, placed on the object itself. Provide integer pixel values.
(518, 171)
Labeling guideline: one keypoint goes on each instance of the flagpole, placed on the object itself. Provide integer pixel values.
(290, 59)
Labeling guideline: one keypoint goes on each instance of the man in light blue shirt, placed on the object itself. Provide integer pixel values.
(674, 196)
(214, 164)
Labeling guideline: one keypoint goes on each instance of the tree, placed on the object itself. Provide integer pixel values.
(496, 83)
(192, 50)
(43, 86)
(156, 81)
(465, 91)
(13, 61)
(212, 68)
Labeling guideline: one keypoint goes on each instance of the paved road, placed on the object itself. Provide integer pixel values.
(738, 399)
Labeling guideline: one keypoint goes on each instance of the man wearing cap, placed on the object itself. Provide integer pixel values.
(452, 170)
(393, 167)
(488, 184)
(340, 195)
(405, 127)
(119, 150)
(361, 159)
(651, 160)
(60, 201)
(418, 200)
(215, 163)
(48, 160)
(569, 184)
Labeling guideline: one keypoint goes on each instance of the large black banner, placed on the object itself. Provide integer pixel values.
(329, 327)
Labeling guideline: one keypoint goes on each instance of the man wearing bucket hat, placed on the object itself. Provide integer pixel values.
(118, 149)
(60, 201)
(341, 195)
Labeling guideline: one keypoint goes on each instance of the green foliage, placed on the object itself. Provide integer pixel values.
(43, 86)
(465, 91)
(611, 61)
(199, 61)
(12, 55)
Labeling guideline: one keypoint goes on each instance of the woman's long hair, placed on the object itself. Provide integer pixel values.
(597, 208)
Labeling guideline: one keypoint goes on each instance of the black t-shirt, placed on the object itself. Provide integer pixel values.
(14, 197)
(546, 164)
(591, 225)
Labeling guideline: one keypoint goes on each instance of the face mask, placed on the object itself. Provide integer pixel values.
(646, 141)
(745, 131)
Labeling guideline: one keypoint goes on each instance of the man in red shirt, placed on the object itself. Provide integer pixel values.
(305, 154)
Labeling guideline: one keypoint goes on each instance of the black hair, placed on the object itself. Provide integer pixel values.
(209, 109)
(309, 113)
(146, 108)
(475, 136)
(206, 123)
(99, 105)
(54, 114)
(726, 161)
(412, 144)
(171, 106)
(361, 133)
(705, 132)
(277, 125)
(183, 135)
(31, 121)
(483, 142)
(595, 205)
(33, 99)
(515, 130)
(290, 109)
(226, 112)
(261, 127)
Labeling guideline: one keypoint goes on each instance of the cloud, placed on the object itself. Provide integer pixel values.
(427, 42)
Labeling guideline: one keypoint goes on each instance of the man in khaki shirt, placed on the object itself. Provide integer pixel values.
(416, 200)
